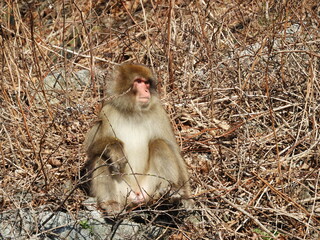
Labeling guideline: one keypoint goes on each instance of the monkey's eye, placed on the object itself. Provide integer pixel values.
(139, 80)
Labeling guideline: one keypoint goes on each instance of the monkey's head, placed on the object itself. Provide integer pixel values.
(134, 87)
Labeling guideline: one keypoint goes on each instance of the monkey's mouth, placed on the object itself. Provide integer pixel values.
(144, 99)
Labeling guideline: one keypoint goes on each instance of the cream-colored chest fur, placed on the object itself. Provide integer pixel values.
(135, 135)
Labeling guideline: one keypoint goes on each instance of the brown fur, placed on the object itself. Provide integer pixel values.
(132, 151)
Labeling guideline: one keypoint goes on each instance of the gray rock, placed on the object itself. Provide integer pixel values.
(45, 224)
(60, 84)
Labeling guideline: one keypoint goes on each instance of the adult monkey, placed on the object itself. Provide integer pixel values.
(132, 153)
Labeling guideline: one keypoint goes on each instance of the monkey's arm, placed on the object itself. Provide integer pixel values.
(108, 148)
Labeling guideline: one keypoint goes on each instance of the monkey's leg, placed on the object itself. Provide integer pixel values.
(104, 187)
(163, 161)
(161, 174)
(169, 168)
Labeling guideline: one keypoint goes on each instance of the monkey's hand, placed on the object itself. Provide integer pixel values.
(117, 158)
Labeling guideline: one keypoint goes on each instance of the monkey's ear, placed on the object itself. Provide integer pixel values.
(154, 82)
(117, 69)
(120, 80)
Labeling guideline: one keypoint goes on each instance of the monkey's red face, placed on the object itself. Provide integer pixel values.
(141, 88)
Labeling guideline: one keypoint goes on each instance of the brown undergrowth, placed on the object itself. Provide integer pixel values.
(239, 79)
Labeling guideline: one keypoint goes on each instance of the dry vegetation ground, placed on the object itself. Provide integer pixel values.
(240, 80)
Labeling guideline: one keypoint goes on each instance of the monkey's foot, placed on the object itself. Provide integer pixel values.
(111, 206)
(187, 204)
(178, 198)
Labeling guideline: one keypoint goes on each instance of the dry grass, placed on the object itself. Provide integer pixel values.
(240, 80)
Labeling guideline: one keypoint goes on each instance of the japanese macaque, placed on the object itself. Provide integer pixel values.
(132, 153)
